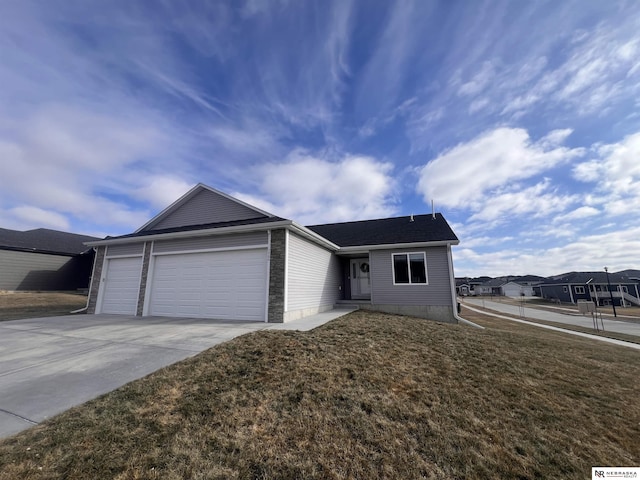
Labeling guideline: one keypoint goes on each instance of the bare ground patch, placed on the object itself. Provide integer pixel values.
(17, 305)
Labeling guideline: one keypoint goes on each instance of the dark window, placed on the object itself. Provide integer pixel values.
(409, 268)
(418, 274)
(579, 290)
(400, 269)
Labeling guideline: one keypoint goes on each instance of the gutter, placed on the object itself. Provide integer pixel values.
(86, 307)
(192, 233)
(454, 297)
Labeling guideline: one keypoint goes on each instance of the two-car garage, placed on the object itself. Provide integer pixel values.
(228, 285)
(222, 277)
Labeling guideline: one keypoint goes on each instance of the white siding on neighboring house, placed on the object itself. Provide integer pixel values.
(205, 207)
(513, 289)
(436, 292)
(313, 278)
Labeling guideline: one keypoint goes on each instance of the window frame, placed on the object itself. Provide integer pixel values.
(408, 254)
(580, 290)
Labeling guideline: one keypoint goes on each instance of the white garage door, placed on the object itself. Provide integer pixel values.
(224, 285)
(121, 285)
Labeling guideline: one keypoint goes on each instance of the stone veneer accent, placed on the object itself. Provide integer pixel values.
(98, 263)
(143, 278)
(276, 276)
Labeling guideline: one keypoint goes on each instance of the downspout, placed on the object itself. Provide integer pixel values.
(454, 298)
(93, 268)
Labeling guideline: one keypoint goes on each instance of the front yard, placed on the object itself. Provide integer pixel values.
(17, 305)
(365, 396)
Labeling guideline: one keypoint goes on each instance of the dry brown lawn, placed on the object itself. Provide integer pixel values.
(365, 396)
(17, 305)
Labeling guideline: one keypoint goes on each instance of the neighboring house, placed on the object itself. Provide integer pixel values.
(490, 287)
(512, 286)
(462, 287)
(210, 255)
(576, 286)
(516, 289)
(43, 259)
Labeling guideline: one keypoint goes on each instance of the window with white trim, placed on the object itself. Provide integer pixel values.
(579, 290)
(409, 268)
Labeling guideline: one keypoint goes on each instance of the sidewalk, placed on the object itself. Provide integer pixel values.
(526, 313)
(309, 323)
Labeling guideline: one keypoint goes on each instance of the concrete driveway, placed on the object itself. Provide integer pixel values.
(48, 365)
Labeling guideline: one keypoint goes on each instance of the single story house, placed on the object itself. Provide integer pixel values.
(44, 259)
(210, 255)
(592, 286)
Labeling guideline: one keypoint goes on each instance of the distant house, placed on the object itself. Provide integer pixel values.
(210, 255)
(462, 287)
(43, 259)
(517, 286)
(575, 286)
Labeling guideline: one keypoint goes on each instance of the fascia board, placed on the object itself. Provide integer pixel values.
(313, 236)
(193, 233)
(390, 246)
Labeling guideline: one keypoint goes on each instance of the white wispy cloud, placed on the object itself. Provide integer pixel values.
(310, 189)
(468, 174)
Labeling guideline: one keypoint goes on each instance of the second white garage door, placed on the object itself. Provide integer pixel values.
(227, 285)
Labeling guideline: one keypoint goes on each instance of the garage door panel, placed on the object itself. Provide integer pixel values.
(226, 285)
(121, 285)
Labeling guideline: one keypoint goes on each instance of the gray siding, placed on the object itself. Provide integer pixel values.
(211, 242)
(437, 292)
(205, 207)
(39, 271)
(128, 249)
(314, 275)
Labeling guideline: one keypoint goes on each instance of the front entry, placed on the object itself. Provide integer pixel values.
(360, 280)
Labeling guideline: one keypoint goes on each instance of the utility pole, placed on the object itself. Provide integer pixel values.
(610, 292)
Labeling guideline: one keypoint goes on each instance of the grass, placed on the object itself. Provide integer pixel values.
(627, 314)
(18, 305)
(567, 326)
(366, 396)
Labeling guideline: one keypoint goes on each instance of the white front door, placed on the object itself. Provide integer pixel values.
(360, 280)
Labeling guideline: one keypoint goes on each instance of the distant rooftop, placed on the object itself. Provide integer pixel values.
(43, 240)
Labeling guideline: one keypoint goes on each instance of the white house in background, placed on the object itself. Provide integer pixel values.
(210, 255)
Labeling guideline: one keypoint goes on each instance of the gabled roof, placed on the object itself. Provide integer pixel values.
(200, 190)
(494, 282)
(581, 278)
(43, 240)
(388, 231)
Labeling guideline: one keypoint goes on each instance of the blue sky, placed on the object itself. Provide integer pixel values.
(520, 120)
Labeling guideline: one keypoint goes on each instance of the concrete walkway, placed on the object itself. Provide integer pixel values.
(614, 341)
(48, 365)
(528, 313)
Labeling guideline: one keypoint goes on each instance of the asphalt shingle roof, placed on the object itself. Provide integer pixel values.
(423, 228)
(582, 278)
(44, 240)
